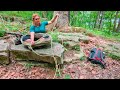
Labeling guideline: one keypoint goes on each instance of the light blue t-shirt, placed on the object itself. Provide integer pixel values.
(39, 29)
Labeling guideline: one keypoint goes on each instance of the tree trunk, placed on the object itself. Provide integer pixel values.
(111, 19)
(118, 27)
(97, 20)
(81, 20)
(62, 21)
(101, 20)
(69, 16)
(116, 16)
(44, 14)
(90, 22)
(75, 12)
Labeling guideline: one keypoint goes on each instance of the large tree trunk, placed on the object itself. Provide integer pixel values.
(116, 16)
(62, 21)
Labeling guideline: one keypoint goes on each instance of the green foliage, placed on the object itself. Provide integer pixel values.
(87, 19)
(82, 58)
(23, 16)
(113, 56)
(65, 44)
(106, 34)
(77, 48)
(54, 36)
(28, 65)
(26, 15)
(2, 33)
(67, 76)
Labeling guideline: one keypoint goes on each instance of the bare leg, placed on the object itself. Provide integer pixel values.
(28, 40)
(42, 39)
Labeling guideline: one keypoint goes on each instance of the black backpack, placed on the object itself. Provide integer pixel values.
(97, 56)
(17, 40)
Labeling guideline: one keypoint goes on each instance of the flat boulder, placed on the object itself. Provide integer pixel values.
(45, 54)
(113, 49)
(75, 37)
(4, 52)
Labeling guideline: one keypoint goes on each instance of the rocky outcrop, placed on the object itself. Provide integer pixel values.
(46, 54)
(112, 50)
(4, 52)
(75, 37)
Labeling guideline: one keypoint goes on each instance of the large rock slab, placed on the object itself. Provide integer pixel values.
(74, 55)
(46, 54)
(113, 50)
(75, 37)
(4, 52)
(69, 45)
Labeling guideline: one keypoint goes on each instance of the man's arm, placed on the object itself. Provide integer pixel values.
(53, 19)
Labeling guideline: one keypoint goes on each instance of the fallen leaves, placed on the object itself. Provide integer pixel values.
(75, 70)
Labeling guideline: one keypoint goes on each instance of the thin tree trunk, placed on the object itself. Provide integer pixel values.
(44, 14)
(81, 20)
(118, 27)
(69, 16)
(75, 12)
(97, 20)
(110, 20)
(101, 20)
(116, 16)
(90, 25)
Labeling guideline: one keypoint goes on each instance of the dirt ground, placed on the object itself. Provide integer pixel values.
(77, 69)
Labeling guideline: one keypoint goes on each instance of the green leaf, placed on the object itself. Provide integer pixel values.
(67, 76)
(2, 33)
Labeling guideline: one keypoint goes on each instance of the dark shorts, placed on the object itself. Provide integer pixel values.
(36, 37)
(26, 37)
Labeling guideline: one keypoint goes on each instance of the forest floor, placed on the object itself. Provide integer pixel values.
(77, 69)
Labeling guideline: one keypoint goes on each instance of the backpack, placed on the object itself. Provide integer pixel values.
(17, 40)
(97, 56)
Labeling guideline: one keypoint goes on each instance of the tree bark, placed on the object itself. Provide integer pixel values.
(63, 20)
(101, 20)
(97, 20)
(111, 19)
(44, 14)
(81, 19)
(118, 27)
(75, 12)
(116, 16)
(69, 16)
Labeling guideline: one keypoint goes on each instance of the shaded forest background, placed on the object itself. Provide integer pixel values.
(105, 23)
